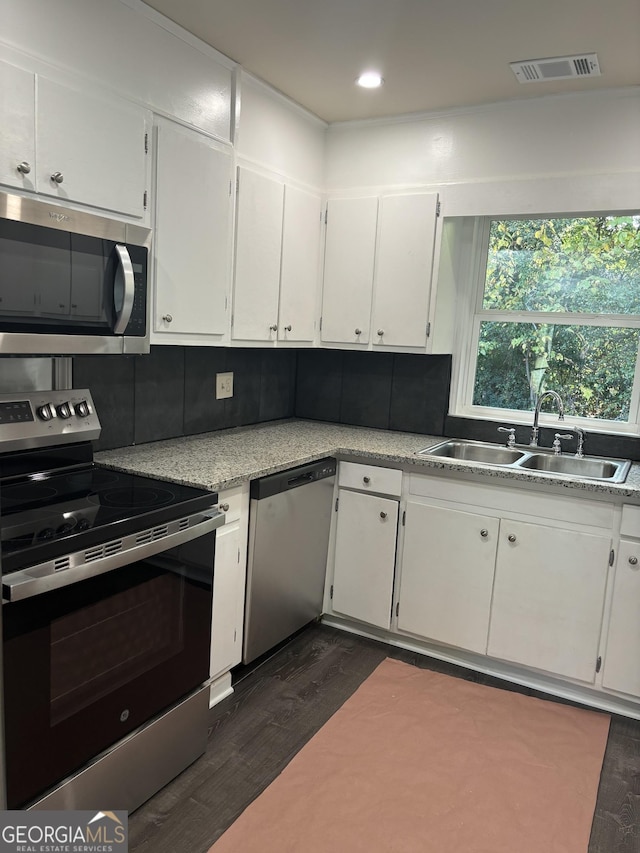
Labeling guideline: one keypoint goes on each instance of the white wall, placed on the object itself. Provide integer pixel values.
(277, 134)
(124, 46)
(551, 154)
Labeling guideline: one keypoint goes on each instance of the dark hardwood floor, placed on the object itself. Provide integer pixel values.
(278, 706)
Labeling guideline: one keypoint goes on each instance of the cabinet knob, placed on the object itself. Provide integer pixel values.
(633, 561)
(383, 515)
(380, 332)
(24, 168)
(224, 507)
(484, 533)
(57, 177)
(167, 318)
(358, 331)
(366, 479)
(287, 328)
(511, 537)
(274, 327)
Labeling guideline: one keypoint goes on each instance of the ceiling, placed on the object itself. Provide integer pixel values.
(433, 54)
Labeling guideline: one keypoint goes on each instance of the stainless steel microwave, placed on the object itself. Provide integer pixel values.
(71, 282)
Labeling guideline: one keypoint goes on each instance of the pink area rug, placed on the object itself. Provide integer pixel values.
(418, 762)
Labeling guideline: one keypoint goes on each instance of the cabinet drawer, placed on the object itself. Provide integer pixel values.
(233, 499)
(370, 478)
(630, 524)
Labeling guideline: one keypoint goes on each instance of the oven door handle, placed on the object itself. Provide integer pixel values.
(27, 583)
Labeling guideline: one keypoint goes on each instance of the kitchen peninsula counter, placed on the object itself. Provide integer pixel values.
(226, 458)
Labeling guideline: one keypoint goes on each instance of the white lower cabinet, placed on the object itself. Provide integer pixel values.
(517, 575)
(621, 666)
(448, 560)
(548, 598)
(229, 579)
(365, 531)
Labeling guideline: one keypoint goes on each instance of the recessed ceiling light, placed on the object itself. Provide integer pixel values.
(370, 80)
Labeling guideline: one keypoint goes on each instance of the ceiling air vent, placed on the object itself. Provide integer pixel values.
(556, 68)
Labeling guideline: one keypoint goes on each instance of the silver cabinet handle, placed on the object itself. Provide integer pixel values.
(380, 332)
(484, 533)
(633, 561)
(224, 507)
(366, 479)
(287, 328)
(168, 318)
(274, 328)
(383, 515)
(24, 168)
(57, 177)
(124, 289)
(511, 537)
(358, 331)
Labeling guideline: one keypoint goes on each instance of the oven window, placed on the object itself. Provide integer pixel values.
(102, 647)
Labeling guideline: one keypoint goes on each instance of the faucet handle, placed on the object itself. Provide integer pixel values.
(511, 441)
(581, 433)
(557, 448)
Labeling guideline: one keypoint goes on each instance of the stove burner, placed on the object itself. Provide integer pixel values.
(27, 492)
(133, 497)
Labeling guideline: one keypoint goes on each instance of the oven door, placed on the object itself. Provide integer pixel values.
(87, 664)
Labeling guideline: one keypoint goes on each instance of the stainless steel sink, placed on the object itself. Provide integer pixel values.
(474, 451)
(611, 470)
(535, 460)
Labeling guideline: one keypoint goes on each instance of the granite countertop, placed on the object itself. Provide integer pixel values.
(219, 460)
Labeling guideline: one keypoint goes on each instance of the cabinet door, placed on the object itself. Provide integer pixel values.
(348, 269)
(299, 273)
(365, 557)
(448, 561)
(97, 148)
(228, 600)
(621, 668)
(192, 233)
(17, 127)
(404, 259)
(256, 286)
(548, 598)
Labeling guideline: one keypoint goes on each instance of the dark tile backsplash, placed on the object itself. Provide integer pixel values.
(172, 391)
(384, 390)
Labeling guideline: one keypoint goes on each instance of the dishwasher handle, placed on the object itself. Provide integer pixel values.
(301, 479)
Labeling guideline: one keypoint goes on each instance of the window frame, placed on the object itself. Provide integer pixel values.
(470, 303)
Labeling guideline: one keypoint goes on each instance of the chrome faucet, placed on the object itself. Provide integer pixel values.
(536, 415)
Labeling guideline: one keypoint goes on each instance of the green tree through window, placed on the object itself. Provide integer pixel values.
(560, 310)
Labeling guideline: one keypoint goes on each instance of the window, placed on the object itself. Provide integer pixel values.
(555, 305)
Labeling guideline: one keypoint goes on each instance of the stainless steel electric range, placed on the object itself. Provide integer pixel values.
(107, 590)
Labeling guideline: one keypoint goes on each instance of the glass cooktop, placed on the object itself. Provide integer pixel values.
(45, 516)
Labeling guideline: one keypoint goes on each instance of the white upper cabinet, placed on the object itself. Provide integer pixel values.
(259, 209)
(378, 267)
(299, 270)
(17, 127)
(192, 244)
(91, 151)
(276, 260)
(72, 144)
(348, 269)
(404, 261)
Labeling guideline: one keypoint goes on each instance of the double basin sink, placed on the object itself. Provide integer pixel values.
(536, 460)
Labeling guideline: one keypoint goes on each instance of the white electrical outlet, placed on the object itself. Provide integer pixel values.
(224, 386)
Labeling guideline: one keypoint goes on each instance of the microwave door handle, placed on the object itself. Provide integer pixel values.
(125, 282)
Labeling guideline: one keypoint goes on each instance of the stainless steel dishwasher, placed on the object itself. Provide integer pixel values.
(289, 518)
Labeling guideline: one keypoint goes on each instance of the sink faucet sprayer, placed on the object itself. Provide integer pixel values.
(536, 415)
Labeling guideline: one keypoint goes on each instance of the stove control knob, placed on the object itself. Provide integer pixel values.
(64, 411)
(82, 409)
(46, 412)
